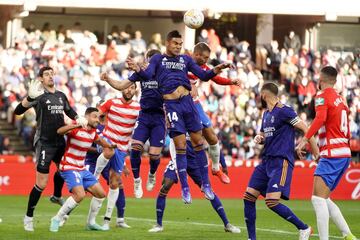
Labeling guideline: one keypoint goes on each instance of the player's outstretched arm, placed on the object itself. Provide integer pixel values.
(301, 125)
(67, 128)
(118, 85)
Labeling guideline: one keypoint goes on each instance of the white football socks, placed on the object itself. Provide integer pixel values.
(112, 197)
(101, 162)
(69, 205)
(95, 206)
(322, 216)
(214, 152)
(338, 218)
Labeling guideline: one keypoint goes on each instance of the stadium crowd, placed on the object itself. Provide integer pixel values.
(78, 58)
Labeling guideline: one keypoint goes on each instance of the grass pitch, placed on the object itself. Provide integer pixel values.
(195, 221)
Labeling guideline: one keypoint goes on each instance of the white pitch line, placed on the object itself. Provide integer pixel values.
(184, 223)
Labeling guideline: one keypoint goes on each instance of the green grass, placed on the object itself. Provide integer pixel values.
(195, 221)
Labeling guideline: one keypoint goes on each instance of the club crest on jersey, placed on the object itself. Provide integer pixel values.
(181, 59)
(319, 101)
(272, 119)
(60, 100)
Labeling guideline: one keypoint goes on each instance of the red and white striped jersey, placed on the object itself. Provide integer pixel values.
(121, 119)
(334, 134)
(79, 141)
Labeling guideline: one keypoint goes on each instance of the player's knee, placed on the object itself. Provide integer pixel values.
(165, 188)
(137, 147)
(212, 140)
(249, 197)
(41, 181)
(154, 157)
(270, 203)
(79, 196)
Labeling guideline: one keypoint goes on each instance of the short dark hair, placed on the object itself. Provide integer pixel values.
(90, 110)
(201, 47)
(151, 53)
(173, 34)
(330, 73)
(271, 87)
(43, 69)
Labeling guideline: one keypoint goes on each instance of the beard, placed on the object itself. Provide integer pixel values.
(127, 97)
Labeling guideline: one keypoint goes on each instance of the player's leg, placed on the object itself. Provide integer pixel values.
(202, 161)
(194, 127)
(43, 159)
(157, 140)
(140, 136)
(327, 175)
(103, 160)
(94, 187)
(178, 154)
(120, 206)
(75, 184)
(214, 152)
(256, 186)
(176, 125)
(58, 180)
(170, 178)
(280, 174)
(194, 173)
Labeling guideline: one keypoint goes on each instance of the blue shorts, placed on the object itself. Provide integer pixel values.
(272, 175)
(116, 162)
(204, 118)
(91, 165)
(150, 126)
(75, 178)
(331, 170)
(182, 116)
(193, 170)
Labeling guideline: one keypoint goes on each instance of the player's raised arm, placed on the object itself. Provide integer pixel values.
(118, 85)
(147, 73)
(67, 128)
(35, 90)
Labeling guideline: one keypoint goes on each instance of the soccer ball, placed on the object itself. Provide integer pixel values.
(194, 18)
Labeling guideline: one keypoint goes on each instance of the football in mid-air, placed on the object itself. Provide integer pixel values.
(194, 18)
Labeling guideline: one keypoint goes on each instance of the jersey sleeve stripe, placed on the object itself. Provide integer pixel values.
(295, 121)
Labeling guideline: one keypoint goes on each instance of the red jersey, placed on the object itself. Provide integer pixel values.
(121, 119)
(332, 122)
(79, 141)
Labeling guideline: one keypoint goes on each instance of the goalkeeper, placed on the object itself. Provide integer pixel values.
(50, 106)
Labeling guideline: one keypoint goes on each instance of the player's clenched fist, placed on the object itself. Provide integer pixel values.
(259, 139)
(104, 76)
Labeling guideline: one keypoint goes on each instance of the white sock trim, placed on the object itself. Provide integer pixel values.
(322, 216)
(69, 205)
(214, 152)
(101, 162)
(112, 197)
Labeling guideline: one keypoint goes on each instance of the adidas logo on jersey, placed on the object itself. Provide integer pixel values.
(275, 186)
(48, 101)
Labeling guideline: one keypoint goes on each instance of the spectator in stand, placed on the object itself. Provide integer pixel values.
(111, 52)
(306, 90)
(292, 41)
(156, 42)
(214, 40)
(5, 147)
(274, 59)
(230, 42)
(138, 45)
(244, 54)
(203, 37)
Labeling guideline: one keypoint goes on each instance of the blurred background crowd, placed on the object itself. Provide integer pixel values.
(78, 58)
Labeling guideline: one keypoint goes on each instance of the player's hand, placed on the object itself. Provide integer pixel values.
(35, 89)
(132, 65)
(300, 148)
(104, 77)
(83, 122)
(126, 171)
(236, 82)
(259, 139)
(316, 157)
